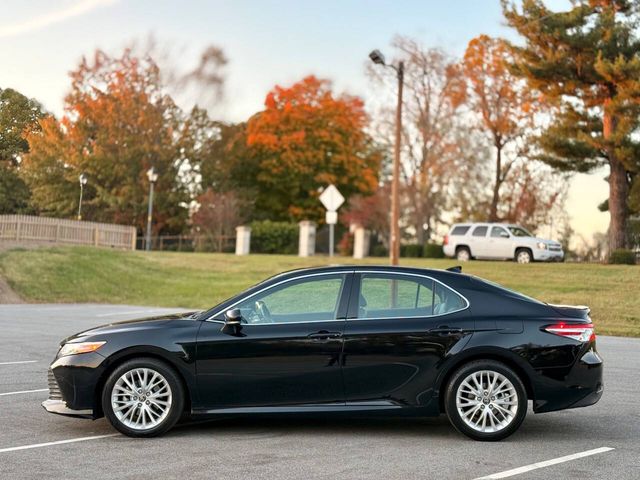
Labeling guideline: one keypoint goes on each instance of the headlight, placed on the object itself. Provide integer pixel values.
(542, 245)
(81, 347)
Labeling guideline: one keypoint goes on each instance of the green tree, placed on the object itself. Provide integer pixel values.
(18, 116)
(118, 124)
(586, 63)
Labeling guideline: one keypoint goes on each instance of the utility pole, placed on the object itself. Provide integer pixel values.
(394, 242)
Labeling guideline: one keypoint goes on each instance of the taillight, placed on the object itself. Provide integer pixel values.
(582, 332)
(446, 240)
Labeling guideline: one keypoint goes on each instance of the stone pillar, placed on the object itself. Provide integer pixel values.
(307, 240)
(361, 241)
(243, 240)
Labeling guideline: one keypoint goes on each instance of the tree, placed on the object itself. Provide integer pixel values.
(118, 123)
(217, 216)
(18, 116)
(502, 102)
(586, 63)
(307, 138)
(431, 155)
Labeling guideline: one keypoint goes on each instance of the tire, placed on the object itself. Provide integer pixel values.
(463, 254)
(152, 413)
(512, 398)
(524, 255)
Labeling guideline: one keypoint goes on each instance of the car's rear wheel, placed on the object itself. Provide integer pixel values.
(486, 400)
(524, 255)
(143, 398)
(463, 254)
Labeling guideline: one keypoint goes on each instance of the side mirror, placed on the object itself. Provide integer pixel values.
(233, 317)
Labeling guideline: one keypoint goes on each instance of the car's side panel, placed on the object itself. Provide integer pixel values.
(396, 360)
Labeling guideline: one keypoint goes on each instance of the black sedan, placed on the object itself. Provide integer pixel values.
(355, 340)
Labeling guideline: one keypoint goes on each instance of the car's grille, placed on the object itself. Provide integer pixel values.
(555, 248)
(54, 389)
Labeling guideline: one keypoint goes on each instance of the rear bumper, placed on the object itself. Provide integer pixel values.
(581, 386)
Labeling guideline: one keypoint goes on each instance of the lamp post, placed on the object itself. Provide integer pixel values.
(83, 181)
(152, 175)
(394, 243)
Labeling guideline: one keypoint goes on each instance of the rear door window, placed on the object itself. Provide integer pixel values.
(460, 230)
(480, 231)
(389, 296)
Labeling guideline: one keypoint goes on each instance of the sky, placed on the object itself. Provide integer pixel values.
(267, 42)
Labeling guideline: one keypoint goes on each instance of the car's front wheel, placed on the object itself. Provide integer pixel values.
(523, 255)
(486, 400)
(143, 398)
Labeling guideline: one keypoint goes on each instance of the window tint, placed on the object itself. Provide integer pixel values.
(460, 230)
(385, 296)
(446, 301)
(499, 232)
(480, 231)
(307, 299)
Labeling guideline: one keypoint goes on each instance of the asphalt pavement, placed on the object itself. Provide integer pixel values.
(35, 444)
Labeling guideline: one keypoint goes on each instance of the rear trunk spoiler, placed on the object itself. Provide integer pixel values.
(573, 311)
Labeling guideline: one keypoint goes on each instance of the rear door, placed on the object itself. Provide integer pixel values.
(479, 242)
(287, 351)
(400, 327)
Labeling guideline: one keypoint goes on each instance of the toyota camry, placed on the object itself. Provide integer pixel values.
(356, 340)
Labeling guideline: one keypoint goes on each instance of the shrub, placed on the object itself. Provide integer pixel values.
(345, 245)
(411, 250)
(432, 250)
(623, 256)
(379, 250)
(274, 237)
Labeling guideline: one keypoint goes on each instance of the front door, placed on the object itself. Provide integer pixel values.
(286, 352)
(500, 243)
(404, 326)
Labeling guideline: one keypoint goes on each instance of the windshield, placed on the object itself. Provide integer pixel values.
(519, 232)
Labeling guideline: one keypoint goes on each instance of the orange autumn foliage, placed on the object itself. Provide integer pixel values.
(305, 139)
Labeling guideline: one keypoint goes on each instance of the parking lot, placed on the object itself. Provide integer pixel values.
(35, 444)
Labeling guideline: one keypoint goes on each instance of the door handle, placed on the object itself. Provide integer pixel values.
(324, 335)
(444, 330)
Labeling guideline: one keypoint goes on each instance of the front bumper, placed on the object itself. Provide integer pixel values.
(548, 255)
(59, 407)
(73, 381)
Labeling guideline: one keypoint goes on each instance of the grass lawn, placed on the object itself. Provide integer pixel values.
(200, 280)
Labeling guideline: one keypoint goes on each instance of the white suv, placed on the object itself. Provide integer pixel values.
(499, 241)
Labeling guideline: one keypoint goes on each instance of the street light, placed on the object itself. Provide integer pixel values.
(83, 181)
(394, 243)
(152, 175)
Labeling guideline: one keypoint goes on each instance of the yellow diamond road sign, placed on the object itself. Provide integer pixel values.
(331, 198)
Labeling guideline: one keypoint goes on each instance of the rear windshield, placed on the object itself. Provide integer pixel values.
(507, 291)
(460, 230)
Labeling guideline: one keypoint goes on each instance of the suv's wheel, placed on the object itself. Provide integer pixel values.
(486, 400)
(143, 398)
(523, 255)
(463, 254)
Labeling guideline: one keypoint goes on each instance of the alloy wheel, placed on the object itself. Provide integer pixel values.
(487, 401)
(141, 398)
(523, 257)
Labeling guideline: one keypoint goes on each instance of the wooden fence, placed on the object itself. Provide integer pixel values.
(24, 229)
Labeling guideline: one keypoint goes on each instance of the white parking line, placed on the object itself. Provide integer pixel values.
(18, 363)
(59, 442)
(546, 463)
(24, 391)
